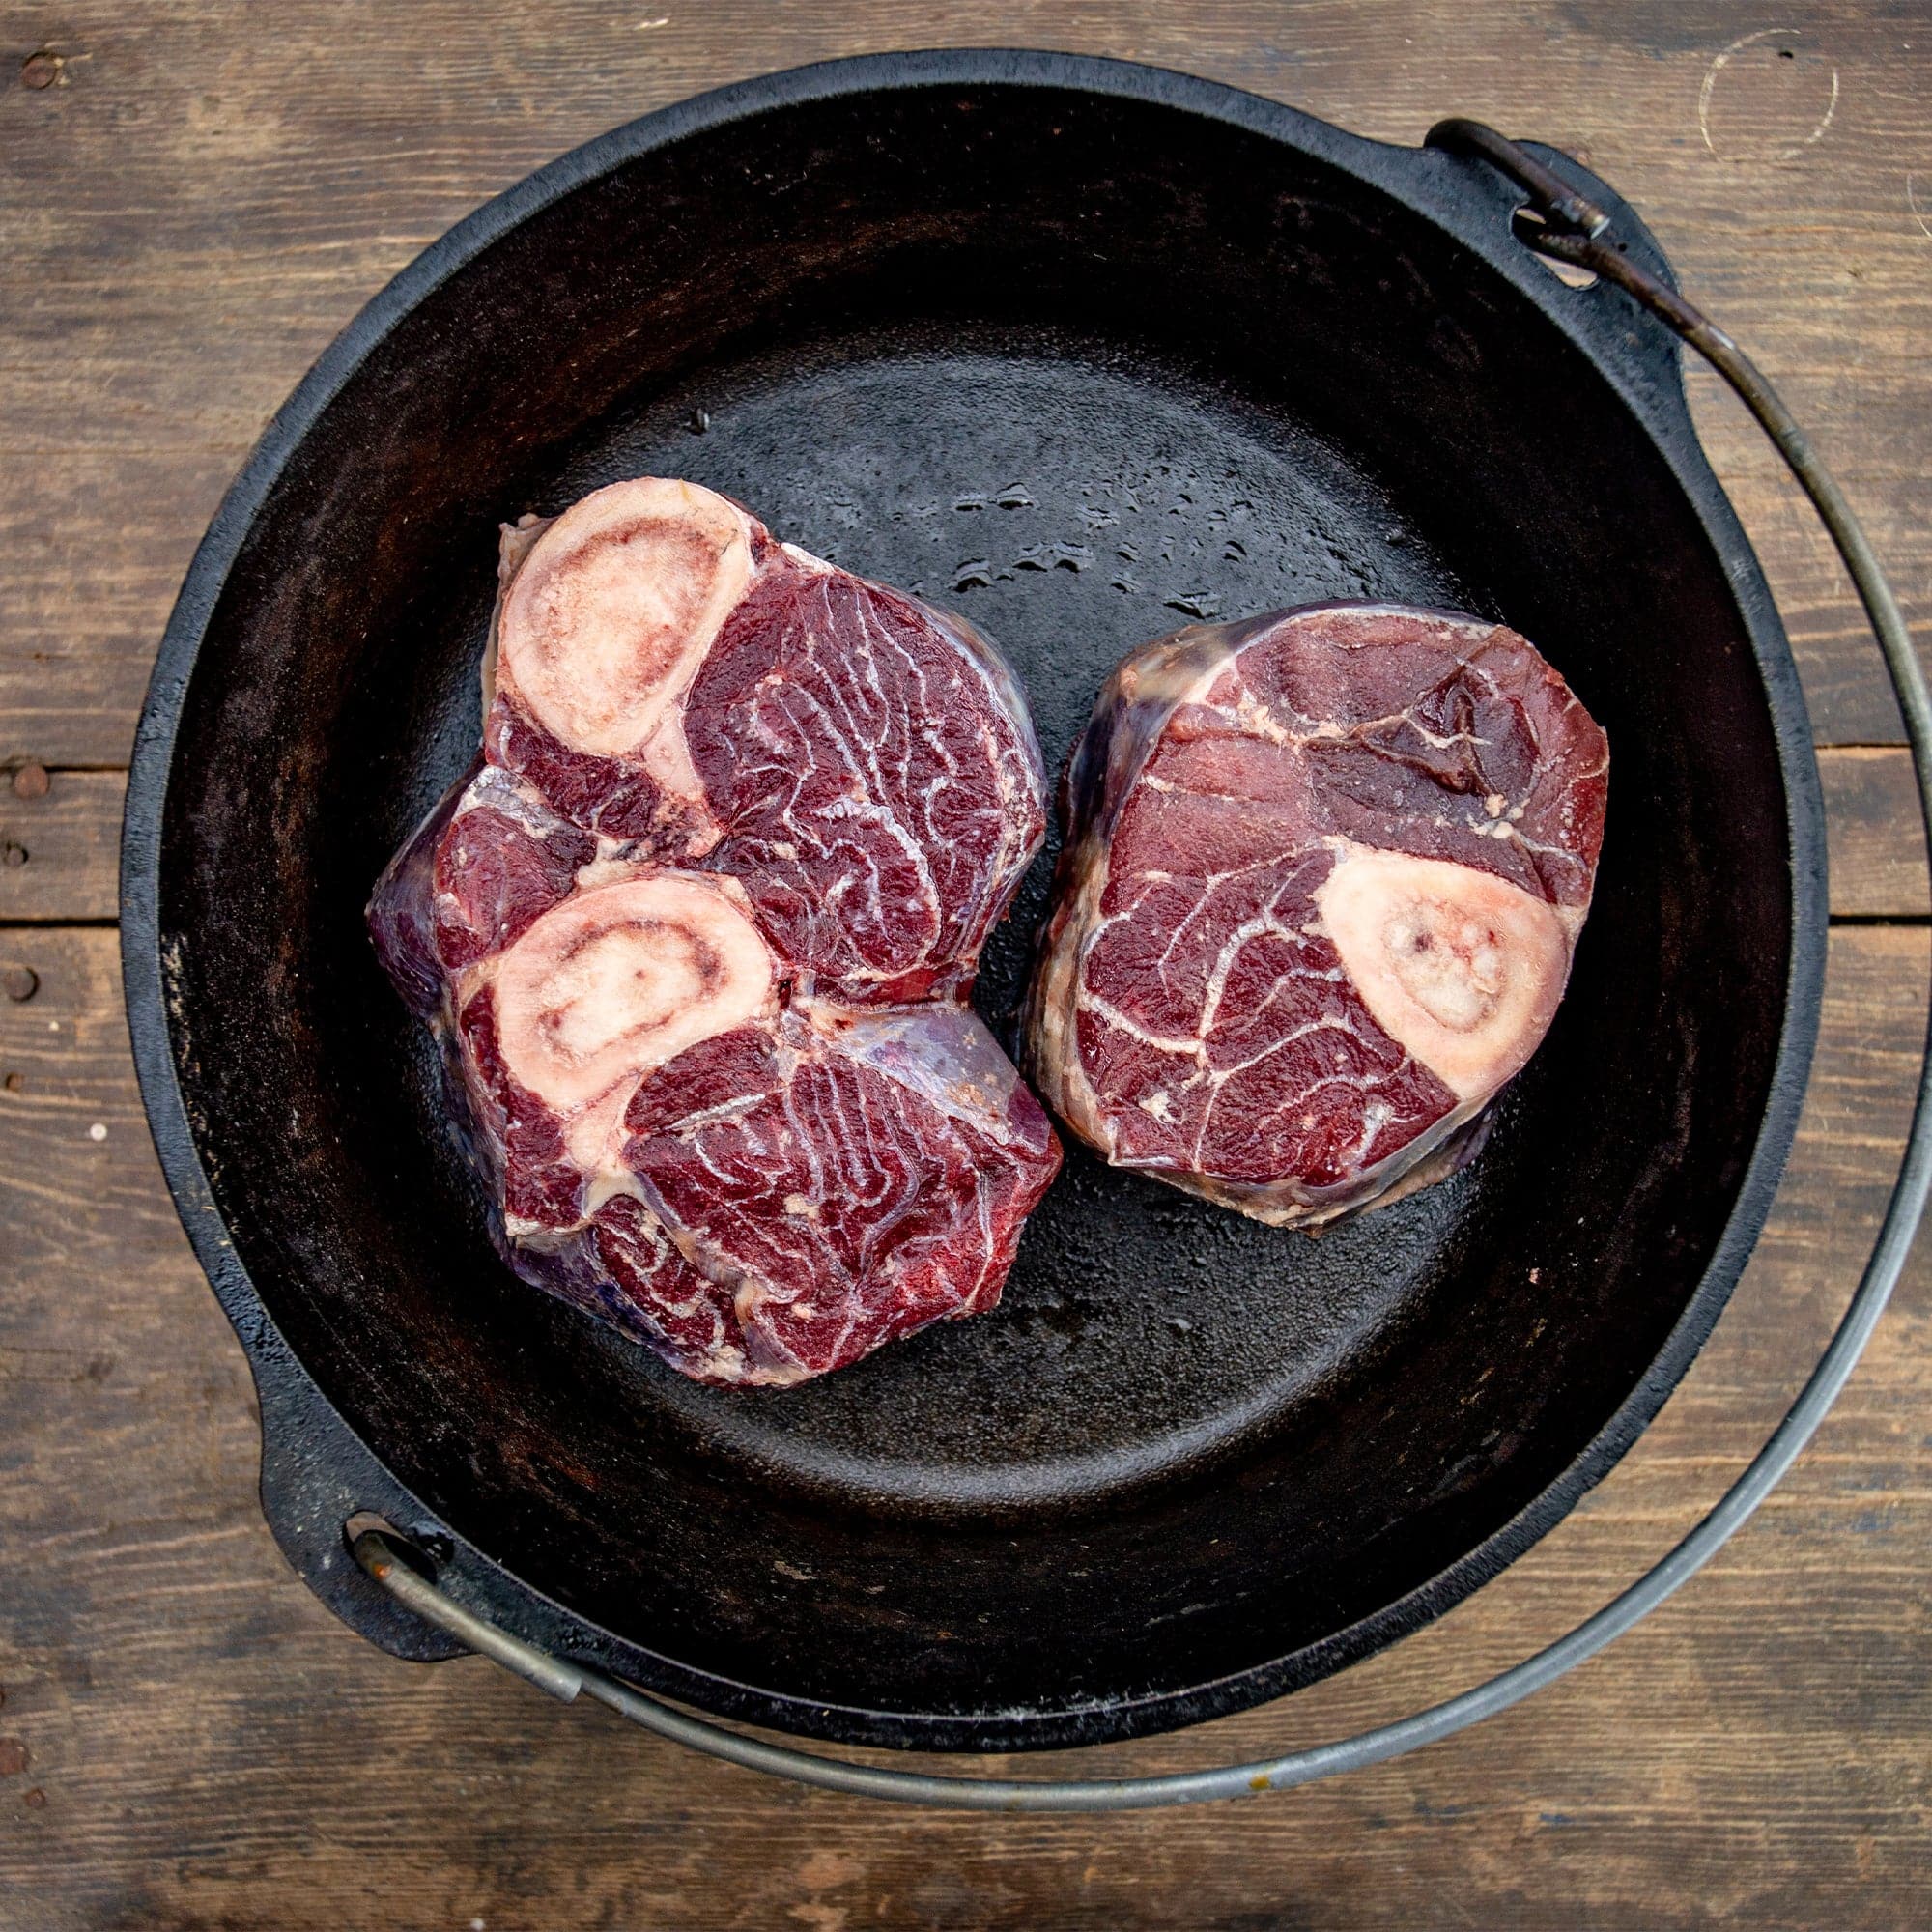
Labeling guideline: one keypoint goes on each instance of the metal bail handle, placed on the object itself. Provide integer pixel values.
(1575, 230)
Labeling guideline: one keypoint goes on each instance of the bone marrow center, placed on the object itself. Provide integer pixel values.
(623, 980)
(620, 980)
(1452, 966)
(1461, 969)
(615, 608)
(608, 623)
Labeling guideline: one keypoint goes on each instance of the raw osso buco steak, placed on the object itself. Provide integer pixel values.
(1324, 875)
(697, 932)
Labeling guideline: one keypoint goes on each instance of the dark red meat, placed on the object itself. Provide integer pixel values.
(876, 786)
(849, 1202)
(698, 936)
(1324, 875)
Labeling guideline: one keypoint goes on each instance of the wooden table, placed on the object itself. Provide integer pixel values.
(194, 197)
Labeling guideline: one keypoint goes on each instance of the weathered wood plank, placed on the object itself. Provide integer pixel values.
(186, 228)
(97, 551)
(1877, 850)
(198, 1742)
(59, 835)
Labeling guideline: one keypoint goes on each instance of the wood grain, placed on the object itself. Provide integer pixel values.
(201, 196)
(59, 850)
(1877, 849)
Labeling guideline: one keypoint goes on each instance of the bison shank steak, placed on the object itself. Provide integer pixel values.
(696, 934)
(1324, 875)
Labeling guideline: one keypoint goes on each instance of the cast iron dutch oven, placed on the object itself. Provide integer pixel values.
(1081, 349)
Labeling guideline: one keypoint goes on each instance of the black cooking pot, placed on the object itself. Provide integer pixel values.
(1081, 349)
